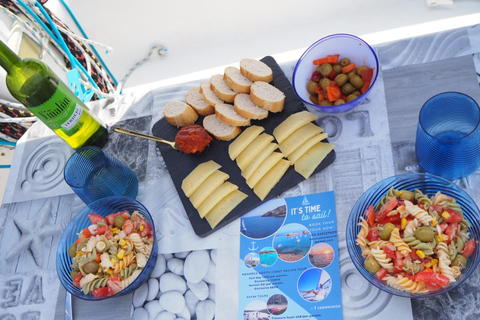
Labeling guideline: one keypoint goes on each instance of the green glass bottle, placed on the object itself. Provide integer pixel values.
(39, 89)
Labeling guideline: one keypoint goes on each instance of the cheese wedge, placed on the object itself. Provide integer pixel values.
(243, 140)
(299, 137)
(198, 176)
(271, 178)
(247, 173)
(218, 194)
(264, 167)
(207, 187)
(291, 124)
(310, 160)
(295, 155)
(253, 149)
(224, 207)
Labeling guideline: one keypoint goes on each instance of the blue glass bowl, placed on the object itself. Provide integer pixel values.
(428, 184)
(80, 221)
(347, 46)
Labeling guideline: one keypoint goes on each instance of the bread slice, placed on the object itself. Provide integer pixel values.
(246, 108)
(179, 114)
(220, 130)
(194, 98)
(256, 70)
(236, 80)
(227, 114)
(267, 96)
(208, 95)
(221, 88)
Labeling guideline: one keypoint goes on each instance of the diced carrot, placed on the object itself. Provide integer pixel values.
(333, 93)
(320, 61)
(98, 257)
(365, 86)
(332, 59)
(428, 269)
(348, 67)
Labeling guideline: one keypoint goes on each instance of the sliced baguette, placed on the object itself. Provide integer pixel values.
(256, 70)
(227, 114)
(220, 130)
(179, 114)
(247, 109)
(221, 88)
(236, 80)
(208, 95)
(267, 96)
(194, 98)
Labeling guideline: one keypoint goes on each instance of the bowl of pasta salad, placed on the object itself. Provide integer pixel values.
(108, 249)
(414, 235)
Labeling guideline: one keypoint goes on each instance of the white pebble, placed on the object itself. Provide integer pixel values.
(181, 255)
(184, 314)
(205, 310)
(160, 266)
(213, 255)
(196, 266)
(211, 273)
(165, 315)
(176, 266)
(140, 314)
(168, 256)
(172, 301)
(211, 292)
(152, 288)
(199, 289)
(172, 282)
(154, 308)
(191, 301)
(140, 295)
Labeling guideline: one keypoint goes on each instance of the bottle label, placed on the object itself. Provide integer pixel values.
(61, 110)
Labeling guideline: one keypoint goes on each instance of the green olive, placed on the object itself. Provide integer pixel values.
(337, 68)
(90, 267)
(351, 74)
(314, 98)
(356, 81)
(347, 88)
(118, 222)
(326, 69)
(385, 230)
(424, 234)
(326, 102)
(359, 69)
(459, 261)
(351, 97)
(371, 265)
(407, 195)
(344, 62)
(339, 101)
(72, 250)
(341, 79)
(324, 83)
(73, 273)
(312, 86)
(358, 93)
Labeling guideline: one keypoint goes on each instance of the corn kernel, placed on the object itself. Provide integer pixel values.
(428, 265)
(445, 215)
(110, 271)
(115, 230)
(142, 227)
(400, 192)
(79, 253)
(420, 253)
(434, 262)
(122, 242)
(404, 223)
(442, 237)
(121, 254)
(434, 221)
(113, 260)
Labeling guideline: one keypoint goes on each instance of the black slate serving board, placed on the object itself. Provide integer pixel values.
(180, 165)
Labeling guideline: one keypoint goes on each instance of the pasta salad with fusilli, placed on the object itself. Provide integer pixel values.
(111, 253)
(414, 242)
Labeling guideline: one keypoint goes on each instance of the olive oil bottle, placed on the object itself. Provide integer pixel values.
(41, 91)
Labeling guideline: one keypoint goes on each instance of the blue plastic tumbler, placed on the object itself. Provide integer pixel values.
(92, 174)
(448, 136)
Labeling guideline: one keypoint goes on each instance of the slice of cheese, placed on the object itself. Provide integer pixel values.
(253, 149)
(292, 123)
(271, 178)
(243, 140)
(250, 169)
(264, 167)
(307, 163)
(207, 187)
(294, 156)
(224, 207)
(218, 194)
(299, 137)
(198, 175)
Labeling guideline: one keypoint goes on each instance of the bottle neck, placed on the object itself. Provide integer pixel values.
(8, 58)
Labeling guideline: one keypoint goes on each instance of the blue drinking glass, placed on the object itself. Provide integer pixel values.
(448, 136)
(92, 174)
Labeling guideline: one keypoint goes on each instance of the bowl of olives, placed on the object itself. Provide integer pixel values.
(336, 73)
(414, 235)
(108, 249)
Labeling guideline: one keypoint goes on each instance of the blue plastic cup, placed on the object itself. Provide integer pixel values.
(448, 136)
(92, 174)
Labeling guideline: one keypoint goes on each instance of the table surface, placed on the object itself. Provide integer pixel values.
(373, 141)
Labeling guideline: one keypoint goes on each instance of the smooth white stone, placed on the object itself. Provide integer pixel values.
(153, 287)
(200, 289)
(205, 310)
(168, 256)
(172, 301)
(191, 301)
(131, 310)
(154, 308)
(181, 255)
(140, 295)
(140, 314)
(165, 315)
(184, 314)
(176, 266)
(211, 275)
(211, 292)
(213, 255)
(196, 265)
(159, 293)
(160, 266)
(172, 282)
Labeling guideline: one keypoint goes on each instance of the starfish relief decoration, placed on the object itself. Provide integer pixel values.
(33, 232)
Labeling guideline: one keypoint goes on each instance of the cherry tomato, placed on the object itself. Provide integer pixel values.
(100, 292)
(111, 217)
(389, 252)
(113, 285)
(102, 229)
(392, 219)
(435, 207)
(381, 273)
(451, 231)
(432, 280)
(385, 209)
(454, 216)
(373, 235)
(468, 248)
(95, 218)
(370, 214)
(76, 280)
